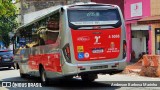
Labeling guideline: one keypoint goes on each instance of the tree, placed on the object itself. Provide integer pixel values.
(7, 19)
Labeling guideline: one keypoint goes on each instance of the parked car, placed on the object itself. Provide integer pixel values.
(6, 58)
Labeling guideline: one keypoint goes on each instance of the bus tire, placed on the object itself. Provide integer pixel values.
(43, 76)
(89, 77)
(68, 77)
(23, 75)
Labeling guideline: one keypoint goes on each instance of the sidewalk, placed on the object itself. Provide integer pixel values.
(148, 66)
(133, 68)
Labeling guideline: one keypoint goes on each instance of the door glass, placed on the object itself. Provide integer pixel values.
(157, 42)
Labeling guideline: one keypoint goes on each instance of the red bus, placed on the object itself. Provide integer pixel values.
(82, 39)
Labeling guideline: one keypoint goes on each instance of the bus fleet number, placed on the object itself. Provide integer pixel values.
(114, 36)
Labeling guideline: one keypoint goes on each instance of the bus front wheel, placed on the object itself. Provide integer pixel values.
(44, 79)
(89, 77)
(22, 75)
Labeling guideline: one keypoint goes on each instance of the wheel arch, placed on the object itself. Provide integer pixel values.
(40, 67)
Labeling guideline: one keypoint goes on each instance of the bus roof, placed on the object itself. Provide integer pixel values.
(90, 3)
(53, 9)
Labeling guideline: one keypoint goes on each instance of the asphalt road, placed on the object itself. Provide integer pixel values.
(102, 83)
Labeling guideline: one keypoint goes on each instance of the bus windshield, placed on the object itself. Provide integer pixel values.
(103, 17)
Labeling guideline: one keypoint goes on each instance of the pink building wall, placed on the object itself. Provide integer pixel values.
(129, 20)
(145, 8)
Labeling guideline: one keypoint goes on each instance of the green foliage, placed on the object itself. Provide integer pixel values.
(7, 8)
(7, 17)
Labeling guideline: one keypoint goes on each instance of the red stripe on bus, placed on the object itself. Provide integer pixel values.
(50, 62)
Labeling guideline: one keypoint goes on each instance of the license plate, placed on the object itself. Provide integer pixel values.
(6, 59)
(99, 50)
(99, 67)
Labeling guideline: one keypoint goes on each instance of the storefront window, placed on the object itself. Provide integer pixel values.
(157, 40)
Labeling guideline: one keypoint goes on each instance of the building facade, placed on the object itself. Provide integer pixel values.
(154, 22)
(139, 36)
(155, 26)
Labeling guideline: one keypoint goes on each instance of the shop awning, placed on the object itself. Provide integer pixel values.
(149, 20)
(131, 21)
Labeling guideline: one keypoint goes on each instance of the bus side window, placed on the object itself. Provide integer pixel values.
(51, 37)
(36, 41)
(53, 24)
(53, 29)
(41, 41)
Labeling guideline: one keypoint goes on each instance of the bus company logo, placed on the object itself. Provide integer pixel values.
(20, 84)
(83, 38)
(112, 45)
(6, 84)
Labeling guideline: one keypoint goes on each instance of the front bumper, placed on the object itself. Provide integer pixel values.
(6, 64)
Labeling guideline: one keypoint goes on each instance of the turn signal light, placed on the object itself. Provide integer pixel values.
(66, 52)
